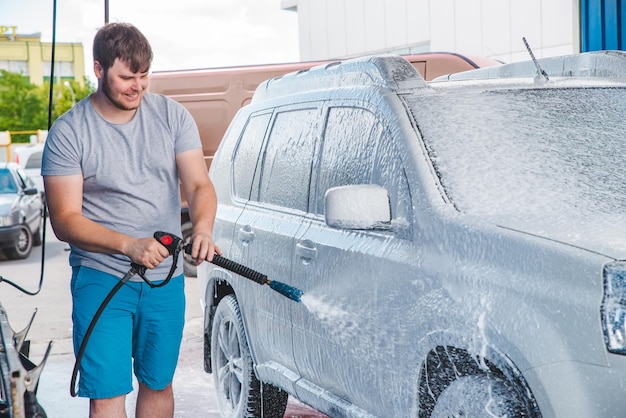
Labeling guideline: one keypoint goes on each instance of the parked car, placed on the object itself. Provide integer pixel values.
(21, 212)
(460, 243)
(29, 158)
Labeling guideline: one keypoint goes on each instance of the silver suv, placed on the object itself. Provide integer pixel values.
(460, 243)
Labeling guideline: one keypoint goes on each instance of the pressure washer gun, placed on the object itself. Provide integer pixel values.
(175, 244)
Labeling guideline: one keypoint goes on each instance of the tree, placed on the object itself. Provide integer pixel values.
(66, 94)
(21, 107)
(24, 106)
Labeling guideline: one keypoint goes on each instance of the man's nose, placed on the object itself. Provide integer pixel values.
(137, 84)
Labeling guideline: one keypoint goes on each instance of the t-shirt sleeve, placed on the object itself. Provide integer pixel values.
(60, 155)
(188, 137)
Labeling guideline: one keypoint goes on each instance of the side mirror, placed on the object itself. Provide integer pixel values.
(361, 206)
(31, 191)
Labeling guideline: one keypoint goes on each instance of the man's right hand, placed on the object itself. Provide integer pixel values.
(147, 252)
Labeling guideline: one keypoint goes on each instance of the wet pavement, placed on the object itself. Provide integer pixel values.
(194, 390)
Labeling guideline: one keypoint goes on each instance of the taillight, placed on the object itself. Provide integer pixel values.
(613, 309)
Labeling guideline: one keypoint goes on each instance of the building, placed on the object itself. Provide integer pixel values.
(26, 54)
(330, 29)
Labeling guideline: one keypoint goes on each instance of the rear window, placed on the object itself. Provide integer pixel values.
(247, 154)
(34, 161)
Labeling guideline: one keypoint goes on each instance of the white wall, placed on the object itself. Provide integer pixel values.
(492, 28)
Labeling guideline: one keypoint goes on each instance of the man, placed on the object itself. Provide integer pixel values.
(111, 168)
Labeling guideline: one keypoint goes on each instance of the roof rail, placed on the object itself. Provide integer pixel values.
(601, 64)
(388, 71)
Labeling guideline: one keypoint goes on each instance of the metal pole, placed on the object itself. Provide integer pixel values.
(106, 12)
(52, 61)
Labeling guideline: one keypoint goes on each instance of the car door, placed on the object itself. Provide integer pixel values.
(347, 330)
(30, 204)
(267, 227)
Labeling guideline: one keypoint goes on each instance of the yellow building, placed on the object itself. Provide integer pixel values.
(26, 54)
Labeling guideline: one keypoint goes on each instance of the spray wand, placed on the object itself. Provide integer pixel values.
(230, 265)
(282, 288)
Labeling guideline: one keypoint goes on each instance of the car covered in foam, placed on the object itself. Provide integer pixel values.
(459, 243)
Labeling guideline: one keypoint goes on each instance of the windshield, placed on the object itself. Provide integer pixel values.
(7, 184)
(533, 151)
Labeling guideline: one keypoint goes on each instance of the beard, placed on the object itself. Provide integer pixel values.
(108, 92)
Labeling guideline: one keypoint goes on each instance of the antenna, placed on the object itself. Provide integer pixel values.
(540, 71)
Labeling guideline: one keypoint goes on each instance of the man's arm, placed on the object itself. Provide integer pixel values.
(64, 197)
(202, 201)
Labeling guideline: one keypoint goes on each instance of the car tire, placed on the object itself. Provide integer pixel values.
(239, 392)
(189, 264)
(479, 396)
(22, 246)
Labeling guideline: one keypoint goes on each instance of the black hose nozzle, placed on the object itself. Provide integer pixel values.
(258, 277)
(240, 269)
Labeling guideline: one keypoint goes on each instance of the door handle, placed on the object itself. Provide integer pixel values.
(306, 249)
(246, 234)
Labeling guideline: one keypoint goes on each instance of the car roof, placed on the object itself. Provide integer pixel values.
(388, 71)
(594, 64)
(394, 73)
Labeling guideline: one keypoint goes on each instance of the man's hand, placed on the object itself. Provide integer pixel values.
(147, 252)
(203, 248)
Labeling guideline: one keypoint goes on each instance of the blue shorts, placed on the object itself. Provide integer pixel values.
(140, 329)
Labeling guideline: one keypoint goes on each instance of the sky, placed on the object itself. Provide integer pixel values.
(184, 34)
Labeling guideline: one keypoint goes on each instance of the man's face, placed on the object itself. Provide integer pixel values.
(122, 87)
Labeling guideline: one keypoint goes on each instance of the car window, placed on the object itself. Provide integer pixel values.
(34, 161)
(7, 182)
(247, 153)
(26, 182)
(349, 142)
(286, 169)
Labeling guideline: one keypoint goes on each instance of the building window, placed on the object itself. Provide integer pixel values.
(62, 70)
(20, 67)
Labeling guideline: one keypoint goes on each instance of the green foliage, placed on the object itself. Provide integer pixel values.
(66, 94)
(20, 105)
(24, 106)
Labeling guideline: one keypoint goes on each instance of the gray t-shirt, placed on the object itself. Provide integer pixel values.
(130, 178)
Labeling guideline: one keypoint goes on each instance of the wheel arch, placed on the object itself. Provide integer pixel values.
(444, 362)
(217, 288)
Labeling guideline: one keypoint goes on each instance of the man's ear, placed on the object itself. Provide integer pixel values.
(98, 70)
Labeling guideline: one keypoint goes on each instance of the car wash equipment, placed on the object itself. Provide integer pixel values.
(282, 288)
(19, 377)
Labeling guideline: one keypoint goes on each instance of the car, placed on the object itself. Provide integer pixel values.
(29, 158)
(459, 243)
(21, 212)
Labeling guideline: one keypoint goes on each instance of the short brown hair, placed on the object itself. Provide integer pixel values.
(123, 41)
